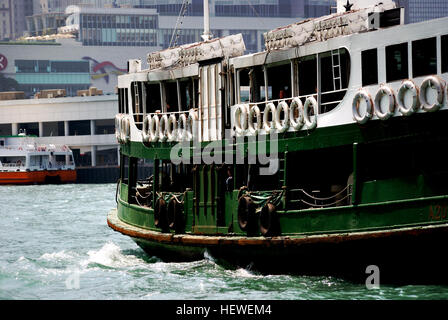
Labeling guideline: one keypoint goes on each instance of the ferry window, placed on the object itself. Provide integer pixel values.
(153, 100)
(124, 96)
(334, 75)
(257, 86)
(279, 81)
(171, 97)
(120, 100)
(397, 62)
(124, 169)
(424, 57)
(369, 60)
(244, 85)
(307, 67)
(137, 103)
(186, 94)
(445, 54)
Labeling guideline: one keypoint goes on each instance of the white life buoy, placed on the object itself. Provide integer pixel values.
(269, 126)
(182, 127)
(125, 129)
(145, 130)
(282, 126)
(364, 96)
(410, 86)
(310, 102)
(385, 91)
(154, 128)
(434, 83)
(296, 106)
(241, 114)
(171, 129)
(163, 128)
(118, 118)
(254, 128)
(192, 124)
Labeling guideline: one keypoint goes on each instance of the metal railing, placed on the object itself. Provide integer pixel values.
(313, 201)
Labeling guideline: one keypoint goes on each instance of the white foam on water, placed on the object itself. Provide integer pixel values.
(61, 255)
(244, 273)
(110, 255)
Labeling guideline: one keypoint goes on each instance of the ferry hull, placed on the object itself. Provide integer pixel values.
(402, 255)
(38, 177)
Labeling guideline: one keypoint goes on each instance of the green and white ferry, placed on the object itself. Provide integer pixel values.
(325, 153)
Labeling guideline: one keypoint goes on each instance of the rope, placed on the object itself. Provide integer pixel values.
(140, 195)
(325, 205)
(323, 199)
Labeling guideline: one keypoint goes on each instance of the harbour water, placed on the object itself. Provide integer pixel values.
(55, 244)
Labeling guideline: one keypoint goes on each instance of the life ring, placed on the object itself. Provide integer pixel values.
(154, 128)
(269, 126)
(160, 215)
(192, 124)
(182, 127)
(436, 84)
(246, 214)
(118, 127)
(408, 85)
(282, 126)
(269, 224)
(146, 136)
(125, 129)
(163, 128)
(175, 217)
(241, 119)
(171, 129)
(296, 122)
(254, 128)
(362, 95)
(310, 101)
(384, 91)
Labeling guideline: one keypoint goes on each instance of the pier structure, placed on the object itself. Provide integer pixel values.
(85, 124)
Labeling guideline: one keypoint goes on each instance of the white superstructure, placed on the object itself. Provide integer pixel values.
(346, 68)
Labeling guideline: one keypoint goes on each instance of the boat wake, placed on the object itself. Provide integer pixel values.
(111, 256)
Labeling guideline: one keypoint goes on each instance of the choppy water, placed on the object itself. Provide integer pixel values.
(55, 244)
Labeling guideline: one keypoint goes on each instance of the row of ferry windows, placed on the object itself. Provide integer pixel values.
(424, 60)
(324, 75)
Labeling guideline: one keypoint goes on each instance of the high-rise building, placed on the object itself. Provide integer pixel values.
(12, 17)
(421, 10)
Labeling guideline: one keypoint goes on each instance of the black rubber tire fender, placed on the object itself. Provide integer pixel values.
(269, 224)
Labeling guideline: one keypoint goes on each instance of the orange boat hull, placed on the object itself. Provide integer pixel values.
(35, 177)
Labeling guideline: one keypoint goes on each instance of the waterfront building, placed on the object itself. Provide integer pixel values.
(65, 64)
(112, 26)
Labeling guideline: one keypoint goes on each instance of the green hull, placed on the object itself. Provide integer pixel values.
(392, 212)
(402, 255)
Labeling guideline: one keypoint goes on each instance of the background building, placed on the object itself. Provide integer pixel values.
(421, 10)
(12, 17)
(66, 64)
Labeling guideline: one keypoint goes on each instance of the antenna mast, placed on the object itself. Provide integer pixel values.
(206, 35)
